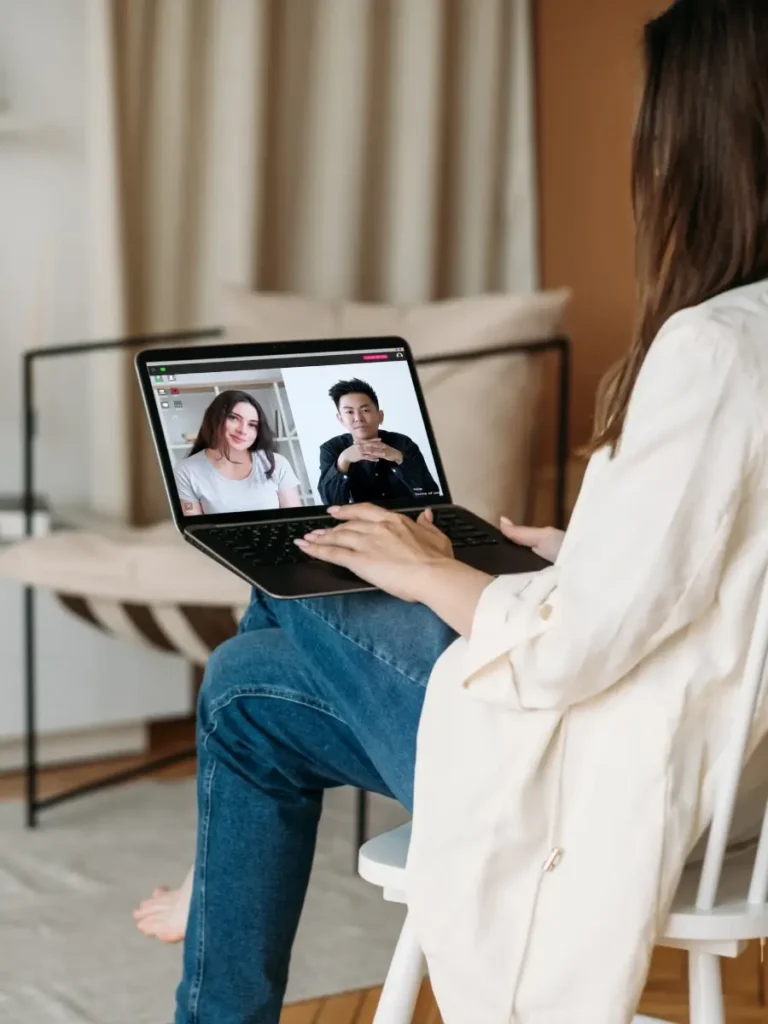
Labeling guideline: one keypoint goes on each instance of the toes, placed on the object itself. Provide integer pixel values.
(156, 927)
(157, 906)
(147, 926)
(153, 925)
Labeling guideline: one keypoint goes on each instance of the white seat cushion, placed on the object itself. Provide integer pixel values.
(147, 566)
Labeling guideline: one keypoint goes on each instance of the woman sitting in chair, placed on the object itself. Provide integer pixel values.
(567, 721)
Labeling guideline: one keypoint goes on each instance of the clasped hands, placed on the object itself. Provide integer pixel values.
(368, 451)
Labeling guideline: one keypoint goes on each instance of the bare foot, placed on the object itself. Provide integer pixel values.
(164, 916)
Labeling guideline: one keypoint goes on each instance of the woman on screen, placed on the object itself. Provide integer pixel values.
(233, 465)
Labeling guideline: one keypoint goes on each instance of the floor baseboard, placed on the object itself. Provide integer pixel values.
(71, 747)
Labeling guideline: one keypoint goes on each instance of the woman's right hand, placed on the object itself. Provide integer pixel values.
(544, 541)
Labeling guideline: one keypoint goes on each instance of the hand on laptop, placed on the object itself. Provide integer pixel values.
(382, 547)
(427, 522)
(544, 541)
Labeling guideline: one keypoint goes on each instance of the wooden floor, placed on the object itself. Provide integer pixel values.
(354, 1008)
(665, 997)
(166, 738)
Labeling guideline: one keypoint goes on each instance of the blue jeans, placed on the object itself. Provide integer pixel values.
(310, 694)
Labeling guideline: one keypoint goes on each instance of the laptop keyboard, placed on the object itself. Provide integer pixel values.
(273, 543)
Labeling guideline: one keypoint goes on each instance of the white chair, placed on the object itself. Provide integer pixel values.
(719, 908)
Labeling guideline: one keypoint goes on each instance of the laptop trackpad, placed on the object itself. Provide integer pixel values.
(307, 580)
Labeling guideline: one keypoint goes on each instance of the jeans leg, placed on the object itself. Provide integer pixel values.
(361, 644)
(258, 614)
(378, 653)
(332, 696)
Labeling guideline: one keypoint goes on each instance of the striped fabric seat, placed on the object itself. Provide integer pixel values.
(191, 631)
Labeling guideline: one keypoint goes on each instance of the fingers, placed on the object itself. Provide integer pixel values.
(376, 449)
(331, 553)
(332, 536)
(436, 536)
(368, 454)
(371, 454)
(362, 513)
(427, 522)
(365, 452)
(527, 536)
(349, 537)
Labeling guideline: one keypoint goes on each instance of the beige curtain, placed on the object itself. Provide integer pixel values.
(377, 149)
(370, 149)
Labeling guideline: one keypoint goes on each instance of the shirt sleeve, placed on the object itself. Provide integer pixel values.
(285, 478)
(646, 556)
(334, 487)
(184, 483)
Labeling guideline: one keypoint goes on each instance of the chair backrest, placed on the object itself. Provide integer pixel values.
(733, 766)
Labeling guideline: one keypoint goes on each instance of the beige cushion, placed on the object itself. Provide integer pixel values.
(137, 566)
(484, 413)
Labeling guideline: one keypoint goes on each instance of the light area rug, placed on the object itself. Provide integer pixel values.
(69, 952)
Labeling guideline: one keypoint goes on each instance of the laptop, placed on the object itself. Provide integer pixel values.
(256, 441)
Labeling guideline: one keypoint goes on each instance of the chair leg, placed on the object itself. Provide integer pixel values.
(705, 989)
(401, 988)
(361, 821)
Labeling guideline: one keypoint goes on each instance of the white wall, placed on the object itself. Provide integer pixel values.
(42, 213)
(85, 678)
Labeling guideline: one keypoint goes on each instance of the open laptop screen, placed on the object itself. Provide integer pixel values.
(255, 433)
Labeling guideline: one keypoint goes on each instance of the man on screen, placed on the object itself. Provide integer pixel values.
(369, 464)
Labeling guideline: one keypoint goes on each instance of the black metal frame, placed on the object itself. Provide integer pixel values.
(34, 804)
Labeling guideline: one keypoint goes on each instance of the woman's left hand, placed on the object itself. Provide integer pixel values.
(381, 547)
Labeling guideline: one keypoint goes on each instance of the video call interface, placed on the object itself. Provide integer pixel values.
(258, 433)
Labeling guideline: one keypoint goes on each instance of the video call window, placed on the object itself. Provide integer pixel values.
(244, 435)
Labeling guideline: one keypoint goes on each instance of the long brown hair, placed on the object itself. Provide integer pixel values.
(211, 432)
(700, 174)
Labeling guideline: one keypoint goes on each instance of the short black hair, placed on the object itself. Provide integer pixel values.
(352, 387)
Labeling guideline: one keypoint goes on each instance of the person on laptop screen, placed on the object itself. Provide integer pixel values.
(233, 465)
(368, 463)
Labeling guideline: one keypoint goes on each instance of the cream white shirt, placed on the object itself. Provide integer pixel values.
(578, 728)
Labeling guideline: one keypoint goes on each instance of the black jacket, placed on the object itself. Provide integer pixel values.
(374, 481)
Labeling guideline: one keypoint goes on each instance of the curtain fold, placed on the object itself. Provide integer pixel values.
(108, 397)
(376, 149)
(341, 149)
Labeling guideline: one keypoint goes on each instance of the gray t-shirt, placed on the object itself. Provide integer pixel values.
(198, 480)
